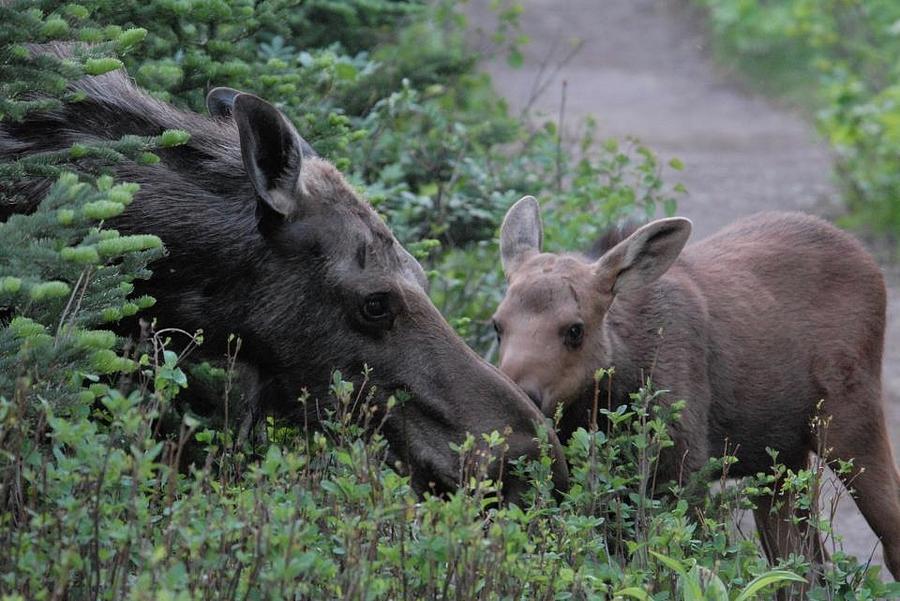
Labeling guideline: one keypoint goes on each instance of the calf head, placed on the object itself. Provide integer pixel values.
(332, 288)
(551, 325)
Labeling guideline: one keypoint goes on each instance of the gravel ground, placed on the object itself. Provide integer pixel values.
(644, 70)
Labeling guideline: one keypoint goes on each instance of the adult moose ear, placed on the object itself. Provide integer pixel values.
(412, 267)
(220, 102)
(272, 152)
(643, 256)
(521, 234)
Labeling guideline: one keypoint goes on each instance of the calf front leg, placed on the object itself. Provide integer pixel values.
(784, 530)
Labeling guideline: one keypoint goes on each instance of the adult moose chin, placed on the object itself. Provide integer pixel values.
(752, 327)
(267, 241)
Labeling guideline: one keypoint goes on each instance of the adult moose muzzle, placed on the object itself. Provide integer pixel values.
(752, 327)
(267, 241)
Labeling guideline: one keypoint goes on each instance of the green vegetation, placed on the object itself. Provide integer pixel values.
(839, 59)
(96, 499)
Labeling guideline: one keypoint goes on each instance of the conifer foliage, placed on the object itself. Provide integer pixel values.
(64, 276)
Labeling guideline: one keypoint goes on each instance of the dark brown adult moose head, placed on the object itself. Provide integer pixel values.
(752, 327)
(268, 241)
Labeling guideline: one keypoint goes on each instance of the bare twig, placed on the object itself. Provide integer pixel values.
(543, 79)
(559, 138)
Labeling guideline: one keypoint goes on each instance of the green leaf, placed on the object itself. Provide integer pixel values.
(345, 71)
(96, 339)
(55, 28)
(132, 36)
(10, 284)
(515, 59)
(47, 290)
(711, 586)
(126, 244)
(670, 207)
(148, 158)
(767, 579)
(85, 255)
(672, 564)
(99, 66)
(174, 137)
(102, 209)
(24, 327)
(692, 585)
(634, 592)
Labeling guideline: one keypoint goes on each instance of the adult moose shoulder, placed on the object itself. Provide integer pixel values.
(268, 241)
(752, 327)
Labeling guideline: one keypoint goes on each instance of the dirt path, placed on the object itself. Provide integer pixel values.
(644, 70)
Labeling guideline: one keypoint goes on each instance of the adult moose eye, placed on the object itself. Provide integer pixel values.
(497, 330)
(574, 335)
(376, 307)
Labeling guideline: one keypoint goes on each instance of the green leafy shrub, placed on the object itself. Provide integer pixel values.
(322, 515)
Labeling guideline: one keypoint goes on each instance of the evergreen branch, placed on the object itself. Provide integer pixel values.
(45, 164)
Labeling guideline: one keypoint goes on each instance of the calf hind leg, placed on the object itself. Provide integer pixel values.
(860, 433)
(876, 485)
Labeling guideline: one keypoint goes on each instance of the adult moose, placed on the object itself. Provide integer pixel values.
(267, 241)
(752, 327)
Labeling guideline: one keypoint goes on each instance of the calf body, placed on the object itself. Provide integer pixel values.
(753, 327)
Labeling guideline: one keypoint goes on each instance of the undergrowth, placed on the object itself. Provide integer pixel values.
(97, 507)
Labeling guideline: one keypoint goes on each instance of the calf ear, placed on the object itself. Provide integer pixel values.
(272, 152)
(521, 234)
(643, 256)
(220, 102)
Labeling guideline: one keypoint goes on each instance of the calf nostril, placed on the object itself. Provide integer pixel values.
(535, 396)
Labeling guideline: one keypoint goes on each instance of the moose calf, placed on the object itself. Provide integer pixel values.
(753, 327)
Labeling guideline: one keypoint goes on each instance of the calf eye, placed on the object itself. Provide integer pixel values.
(376, 307)
(497, 330)
(574, 335)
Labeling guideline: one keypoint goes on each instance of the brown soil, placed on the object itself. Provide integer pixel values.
(644, 70)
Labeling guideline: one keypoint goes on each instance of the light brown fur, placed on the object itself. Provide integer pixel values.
(752, 327)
